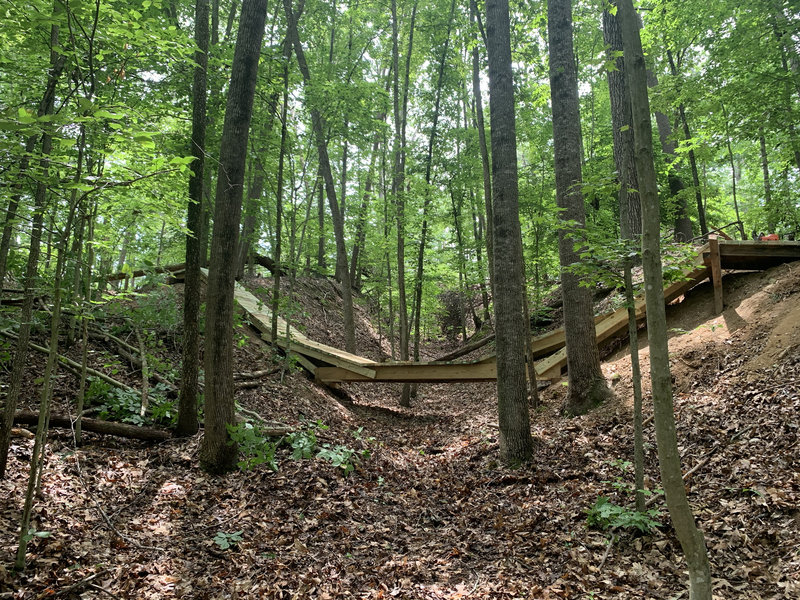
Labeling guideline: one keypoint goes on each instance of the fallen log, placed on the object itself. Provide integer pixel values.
(471, 347)
(143, 272)
(125, 430)
(268, 264)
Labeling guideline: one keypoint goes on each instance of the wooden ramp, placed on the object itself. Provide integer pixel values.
(332, 366)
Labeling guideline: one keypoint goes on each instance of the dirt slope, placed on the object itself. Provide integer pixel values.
(430, 514)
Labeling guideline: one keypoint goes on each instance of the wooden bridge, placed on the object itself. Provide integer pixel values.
(332, 366)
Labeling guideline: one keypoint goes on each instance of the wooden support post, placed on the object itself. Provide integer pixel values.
(716, 272)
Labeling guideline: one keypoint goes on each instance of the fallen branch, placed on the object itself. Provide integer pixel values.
(126, 351)
(256, 374)
(73, 366)
(148, 434)
(466, 349)
(142, 272)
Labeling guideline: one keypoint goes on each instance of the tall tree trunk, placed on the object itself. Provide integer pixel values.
(319, 127)
(732, 163)
(217, 453)
(687, 135)
(400, 105)
(630, 224)
(587, 386)
(516, 443)
(250, 220)
(484, 148)
(321, 262)
(772, 214)
(683, 224)
(691, 538)
(423, 240)
(630, 209)
(276, 276)
(187, 398)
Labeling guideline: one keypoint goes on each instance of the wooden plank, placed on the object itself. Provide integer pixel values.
(716, 272)
(322, 355)
(413, 373)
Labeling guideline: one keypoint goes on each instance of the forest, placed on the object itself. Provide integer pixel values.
(360, 299)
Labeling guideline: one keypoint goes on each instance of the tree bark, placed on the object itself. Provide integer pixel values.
(31, 269)
(319, 127)
(217, 454)
(400, 105)
(187, 404)
(691, 538)
(148, 434)
(769, 209)
(630, 209)
(687, 135)
(587, 387)
(484, 148)
(516, 443)
(423, 240)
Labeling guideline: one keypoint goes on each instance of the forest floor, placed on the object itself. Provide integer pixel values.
(430, 513)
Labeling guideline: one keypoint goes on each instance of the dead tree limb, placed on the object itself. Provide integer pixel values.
(73, 366)
(125, 430)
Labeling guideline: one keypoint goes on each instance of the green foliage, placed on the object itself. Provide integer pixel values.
(225, 540)
(303, 443)
(605, 515)
(117, 404)
(32, 533)
(341, 456)
(257, 448)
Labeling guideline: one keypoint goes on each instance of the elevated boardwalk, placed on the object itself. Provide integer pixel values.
(332, 366)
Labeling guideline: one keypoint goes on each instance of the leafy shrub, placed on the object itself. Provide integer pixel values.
(257, 448)
(606, 515)
(341, 456)
(303, 443)
(121, 405)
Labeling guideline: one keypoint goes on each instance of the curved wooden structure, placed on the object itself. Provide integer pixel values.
(332, 366)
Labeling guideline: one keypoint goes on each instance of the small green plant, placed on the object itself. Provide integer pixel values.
(225, 540)
(257, 448)
(341, 456)
(32, 533)
(303, 443)
(606, 515)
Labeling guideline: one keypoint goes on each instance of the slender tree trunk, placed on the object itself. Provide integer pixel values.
(768, 207)
(400, 103)
(587, 386)
(630, 208)
(683, 225)
(630, 217)
(319, 127)
(321, 262)
(687, 135)
(217, 453)
(276, 276)
(85, 323)
(484, 148)
(417, 310)
(250, 223)
(516, 443)
(691, 538)
(732, 163)
(187, 404)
